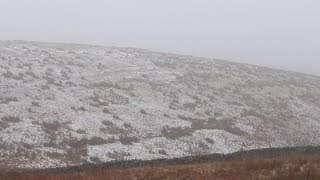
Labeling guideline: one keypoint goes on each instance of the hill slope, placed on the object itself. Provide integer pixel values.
(276, 163)
(68, 104)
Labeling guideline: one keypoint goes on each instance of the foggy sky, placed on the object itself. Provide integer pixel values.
(276, 33)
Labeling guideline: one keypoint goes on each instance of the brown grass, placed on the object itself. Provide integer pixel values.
(287, 167)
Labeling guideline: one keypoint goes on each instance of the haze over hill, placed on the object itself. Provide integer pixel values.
(69, 104)
(278, 34)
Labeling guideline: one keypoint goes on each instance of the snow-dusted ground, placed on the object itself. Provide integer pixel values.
(67, 104)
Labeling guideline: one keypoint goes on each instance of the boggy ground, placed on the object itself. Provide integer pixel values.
(280, 163)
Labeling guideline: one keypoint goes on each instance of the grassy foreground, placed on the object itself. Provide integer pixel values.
(290, 167)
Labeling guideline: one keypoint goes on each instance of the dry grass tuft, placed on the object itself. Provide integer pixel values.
(284, 168)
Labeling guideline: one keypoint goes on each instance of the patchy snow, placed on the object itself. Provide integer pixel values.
(69, 104)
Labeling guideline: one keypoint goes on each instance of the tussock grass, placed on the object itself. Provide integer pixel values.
(289, 167)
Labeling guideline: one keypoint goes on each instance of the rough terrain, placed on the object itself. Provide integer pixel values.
(275, 163)
(69, 104)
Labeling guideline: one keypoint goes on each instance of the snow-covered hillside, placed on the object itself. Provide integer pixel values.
(68, 104)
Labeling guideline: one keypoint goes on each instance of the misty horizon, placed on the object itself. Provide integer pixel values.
(277, 34)
(102, 89)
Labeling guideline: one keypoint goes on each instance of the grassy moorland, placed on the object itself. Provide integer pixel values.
(265, 164)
